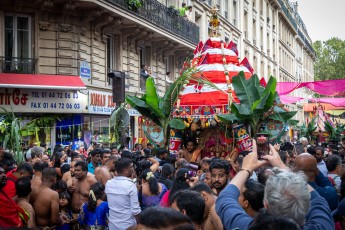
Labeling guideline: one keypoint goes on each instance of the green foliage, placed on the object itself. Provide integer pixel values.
(256, 103)
(335, 133)
(10, 135)
(119, 121)
(308, 130)
(134, 4)
(159, 109)
(330, 59)
(40, 125)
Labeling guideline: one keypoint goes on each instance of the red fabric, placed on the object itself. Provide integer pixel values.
(165, 200)
(9, 212)
(217, 76)
(10, 187)
(218, 58)
(338, 226)
(40, 81)
(205, 98)
(213, 44)
(233, 47)
(263, 82)
(245, 63)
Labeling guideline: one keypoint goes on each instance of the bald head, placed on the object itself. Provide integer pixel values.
(306, 163)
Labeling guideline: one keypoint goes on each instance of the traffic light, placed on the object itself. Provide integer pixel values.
(118, 86)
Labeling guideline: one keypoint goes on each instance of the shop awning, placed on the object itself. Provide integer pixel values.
(40, 81)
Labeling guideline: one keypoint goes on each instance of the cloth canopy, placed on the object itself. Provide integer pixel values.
(328, 87)
(337, 102)
(285, 99)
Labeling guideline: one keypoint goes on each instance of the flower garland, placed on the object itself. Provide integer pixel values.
(226, 72)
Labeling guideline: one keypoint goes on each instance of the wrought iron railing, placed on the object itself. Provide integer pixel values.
(310, 47)
(166, 18)
(17, 65)
(288, 14)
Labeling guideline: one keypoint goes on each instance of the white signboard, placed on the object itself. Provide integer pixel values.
(101, 102)
(133, 112)
(42, 101)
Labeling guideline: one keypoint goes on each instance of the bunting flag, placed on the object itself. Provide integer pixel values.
(198, 47)
(203, 59)
(263, 82)
(245, 63)
(233, 46)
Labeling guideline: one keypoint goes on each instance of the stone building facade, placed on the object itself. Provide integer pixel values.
(65, 38)
(59, 37)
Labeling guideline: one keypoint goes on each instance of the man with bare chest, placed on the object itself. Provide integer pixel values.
(46, 205)
(68, 176)
(191, 153)
(105, 155)
(37, 180)
(105, 172)
(80, 187)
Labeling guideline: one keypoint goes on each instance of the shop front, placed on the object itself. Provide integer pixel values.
(30, 104)
(96, 122)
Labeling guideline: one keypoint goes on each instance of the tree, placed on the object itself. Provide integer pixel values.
(330, 59)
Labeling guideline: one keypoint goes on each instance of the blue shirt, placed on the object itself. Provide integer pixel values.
(91, 168)
(97, 218)
(233, 216)
(325, 188)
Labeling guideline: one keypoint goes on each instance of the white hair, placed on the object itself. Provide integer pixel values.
(303, 139)
(286, 194)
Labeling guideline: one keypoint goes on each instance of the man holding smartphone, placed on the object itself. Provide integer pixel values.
(286, 194)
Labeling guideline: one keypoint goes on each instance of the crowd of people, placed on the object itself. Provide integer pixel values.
(295, 186)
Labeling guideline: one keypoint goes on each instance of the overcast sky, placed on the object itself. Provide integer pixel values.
(324, 19)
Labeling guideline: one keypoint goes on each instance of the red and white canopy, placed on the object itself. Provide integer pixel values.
(218, 63)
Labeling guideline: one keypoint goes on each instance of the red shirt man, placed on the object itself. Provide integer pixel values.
(24, 169)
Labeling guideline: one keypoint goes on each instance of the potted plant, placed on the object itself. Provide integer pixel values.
(134, 5)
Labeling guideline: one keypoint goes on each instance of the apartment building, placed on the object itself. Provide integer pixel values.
(46, 45)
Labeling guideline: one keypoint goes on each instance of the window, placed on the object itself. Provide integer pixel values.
(234, 11)
(226, 8)
(110, 57)
(142, 56)
(17, 36)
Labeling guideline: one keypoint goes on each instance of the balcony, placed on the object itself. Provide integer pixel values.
(287, 13)
(17, 65)
(166, 18)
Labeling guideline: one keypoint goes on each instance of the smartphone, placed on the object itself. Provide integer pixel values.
(191, 174)
(193, 169)
(263, 144)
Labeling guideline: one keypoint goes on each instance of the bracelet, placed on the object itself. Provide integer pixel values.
(250, 173)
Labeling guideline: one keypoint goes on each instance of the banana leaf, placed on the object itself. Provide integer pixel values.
(246, 90)
(284, 116)
(177, 123)
(152, 98)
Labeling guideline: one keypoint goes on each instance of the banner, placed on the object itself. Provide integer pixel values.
(101, 102)
(42, 101)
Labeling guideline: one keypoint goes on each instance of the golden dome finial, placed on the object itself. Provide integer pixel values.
(214, 22)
